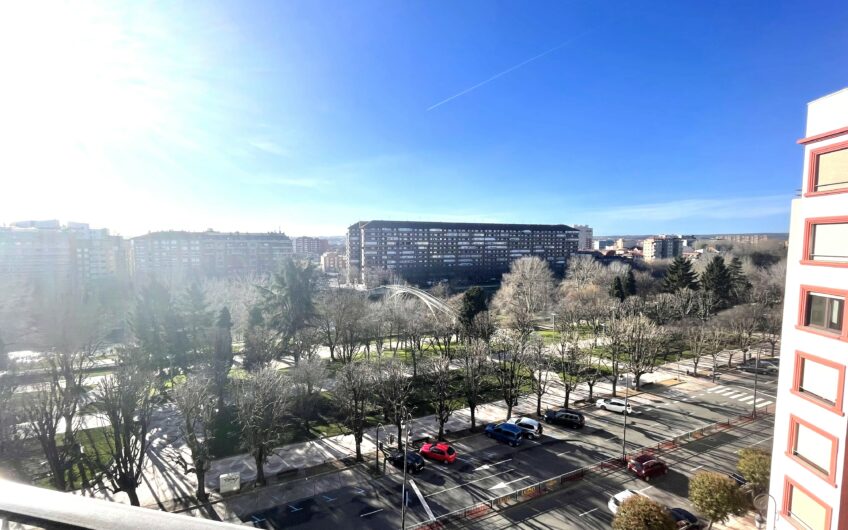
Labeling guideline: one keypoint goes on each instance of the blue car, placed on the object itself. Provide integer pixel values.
(505, 432)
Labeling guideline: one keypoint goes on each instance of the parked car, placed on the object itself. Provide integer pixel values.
(764, 367)
(614, 405)
(532, 428)
(439, 451)
(566, 417)
(684, 520)
(616, 500)
(505, 432)
(647, 466)
(739, 479)
(414, 462)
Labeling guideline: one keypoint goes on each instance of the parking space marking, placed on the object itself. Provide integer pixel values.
(587, 513)
(328, 499)
(644, 489)
(371, 513)
(294, 508)
(467, 483)
(697, 468)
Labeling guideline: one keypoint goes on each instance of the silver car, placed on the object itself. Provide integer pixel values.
(532, 428)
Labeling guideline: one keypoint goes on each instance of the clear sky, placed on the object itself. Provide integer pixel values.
(306, 116)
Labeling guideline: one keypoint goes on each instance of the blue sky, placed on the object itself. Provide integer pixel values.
(308, 116)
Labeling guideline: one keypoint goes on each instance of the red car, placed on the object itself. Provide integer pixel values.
(439, 451)
(647, 466)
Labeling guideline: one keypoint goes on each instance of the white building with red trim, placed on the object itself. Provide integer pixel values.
(809, 475)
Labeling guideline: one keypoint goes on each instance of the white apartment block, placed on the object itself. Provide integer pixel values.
(809, 475)
(662, 247)
(584, 237)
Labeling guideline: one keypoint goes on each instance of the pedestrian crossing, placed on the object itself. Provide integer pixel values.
(742, 397)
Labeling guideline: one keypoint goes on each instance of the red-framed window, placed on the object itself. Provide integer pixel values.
(826, 241)
(819, 380)
(813, 448)
(803, 509)
(823, 311)
(828, 170)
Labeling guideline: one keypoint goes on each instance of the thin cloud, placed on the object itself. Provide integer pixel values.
(294, 182)
(725, 208)
(268, 146)
(508, 70)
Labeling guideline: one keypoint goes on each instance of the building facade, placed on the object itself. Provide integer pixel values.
(176, 256)
(662, 247)
(46, 250)
(809, 475)
(310, 246)
(422, 252)
(332, 262)
(584, 238)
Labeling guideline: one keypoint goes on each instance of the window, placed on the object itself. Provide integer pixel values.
(804, 510)
(819, 380)
(828, 242)
(828, 169)
(813, 448)
(825, 312)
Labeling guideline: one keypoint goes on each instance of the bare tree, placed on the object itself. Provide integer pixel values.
(615, 332)
(417, 328)
(307, 378)
(583, 270)
(741, 324)
(440, 389)
(304, 343)
(125, 401)
(8, 428)
(642, 342)
(540, 362)
(222, 354)
(443, 333)
(698, 339)
(196, 400)
(259, 343)
(393, 386)
(572, 358)
(342, 315)
(771, 326)
(509, 350)
(262, 401)
(352, 394)
(525, 292)
(474, 360)
(715, 345)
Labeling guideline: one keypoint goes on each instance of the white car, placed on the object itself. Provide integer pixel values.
(616, 500)
(614, 405)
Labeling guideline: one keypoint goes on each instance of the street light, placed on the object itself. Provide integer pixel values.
(626, 404)
(756, 377)
(761, 519)
(377, 451)
(404, 455)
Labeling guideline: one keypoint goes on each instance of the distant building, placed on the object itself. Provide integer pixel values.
(422, 252)
(624, 244)
(181, 255)
(584, 238)
(47, 250)
(809, 466)
(332, 262)
(603, 244)
(662, 247)
(311, 246)
(752, 239)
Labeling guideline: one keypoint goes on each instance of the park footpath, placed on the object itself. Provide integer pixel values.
(167, 486)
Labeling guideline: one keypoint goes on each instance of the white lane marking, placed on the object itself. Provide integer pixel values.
(421, 498)
(644, 489)
(766, 402)
(758, 443)
(760, 400)
(371, 513)
(328, 499)
(697, 468)
(294, 508)
(587, 513)
(502, 484)
(467, 483)
(359, 491)
(749, 399)
(487, 466)
(736, 395)
(713, 389)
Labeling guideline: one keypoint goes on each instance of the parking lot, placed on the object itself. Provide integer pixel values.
(488, 469)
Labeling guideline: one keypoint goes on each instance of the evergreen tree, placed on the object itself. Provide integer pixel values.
(716, 279)
(617, 289)
(680, 276)
(473, 303)
(222, 354)
(739, 284)
(629, 283)
(197, 318)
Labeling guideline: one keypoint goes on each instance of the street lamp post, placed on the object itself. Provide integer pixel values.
(756, 377)
(626, 404)
(403, 486)
(377, 450)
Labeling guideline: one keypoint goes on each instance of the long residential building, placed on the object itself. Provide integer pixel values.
(662, 247)
(809, 474)
(176, 256)
(423, 252)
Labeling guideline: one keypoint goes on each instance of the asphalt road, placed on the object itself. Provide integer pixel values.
(488, 469)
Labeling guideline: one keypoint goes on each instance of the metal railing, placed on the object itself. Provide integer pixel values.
(604, 466)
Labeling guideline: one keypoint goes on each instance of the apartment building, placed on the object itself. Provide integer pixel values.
(662, 247)
(584, 237)
(332, 262)
(176, 256)
(809, 475)
(46, 250)
(422, 252)
(310, 246)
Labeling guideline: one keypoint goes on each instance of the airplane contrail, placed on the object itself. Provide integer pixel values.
(508, 70)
